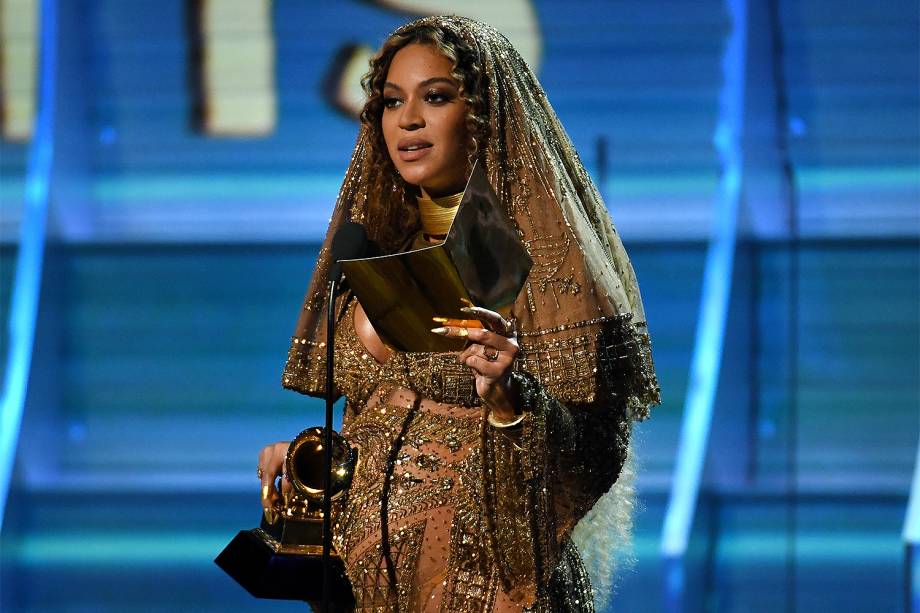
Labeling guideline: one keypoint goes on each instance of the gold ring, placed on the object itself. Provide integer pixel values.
(259, 472)
(490, 356)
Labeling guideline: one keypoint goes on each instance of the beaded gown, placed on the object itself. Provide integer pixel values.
(445, 512)
(433, 480)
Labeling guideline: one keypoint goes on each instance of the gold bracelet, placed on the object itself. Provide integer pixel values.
(501, 424)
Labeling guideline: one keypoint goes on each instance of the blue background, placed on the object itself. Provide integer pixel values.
(176, 263)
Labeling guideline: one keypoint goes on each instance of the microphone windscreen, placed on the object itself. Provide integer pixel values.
(349, 242)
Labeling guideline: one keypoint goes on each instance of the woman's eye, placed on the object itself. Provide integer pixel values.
(437, 97)
(390, 102)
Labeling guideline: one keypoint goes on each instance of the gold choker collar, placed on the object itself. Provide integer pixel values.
(438, 213)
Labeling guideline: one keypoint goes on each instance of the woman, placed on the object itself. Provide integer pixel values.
(476, 466)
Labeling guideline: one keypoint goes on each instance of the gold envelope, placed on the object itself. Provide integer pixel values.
(481, 262)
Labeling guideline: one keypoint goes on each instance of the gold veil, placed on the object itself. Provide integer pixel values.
(580, 318)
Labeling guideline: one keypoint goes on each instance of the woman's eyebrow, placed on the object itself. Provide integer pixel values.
(424, 83)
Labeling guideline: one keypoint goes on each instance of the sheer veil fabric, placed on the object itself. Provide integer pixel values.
(580, 318)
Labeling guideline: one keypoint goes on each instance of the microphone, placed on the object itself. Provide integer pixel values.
(350, 242)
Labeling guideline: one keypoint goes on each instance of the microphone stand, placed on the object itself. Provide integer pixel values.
(327, 443)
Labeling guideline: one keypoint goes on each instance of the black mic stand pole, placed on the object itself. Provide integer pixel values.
(327, 443)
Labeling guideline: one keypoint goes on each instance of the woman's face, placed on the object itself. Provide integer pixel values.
(424, 120)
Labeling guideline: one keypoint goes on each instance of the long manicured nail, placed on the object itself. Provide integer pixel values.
(442, 331)
(265, 492)
(440, 320)
(468, 309)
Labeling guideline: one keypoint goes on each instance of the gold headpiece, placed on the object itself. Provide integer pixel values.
(581, 310)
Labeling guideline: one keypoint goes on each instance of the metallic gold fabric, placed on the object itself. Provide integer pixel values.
(585, 372)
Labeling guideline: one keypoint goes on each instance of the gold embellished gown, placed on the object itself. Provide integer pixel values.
(445, 513)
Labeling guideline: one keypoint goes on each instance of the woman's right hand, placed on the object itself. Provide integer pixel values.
(271, 464)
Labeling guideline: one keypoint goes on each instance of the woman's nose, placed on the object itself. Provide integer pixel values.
(411, 117)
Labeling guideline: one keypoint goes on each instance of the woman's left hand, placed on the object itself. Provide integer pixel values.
(490, 355)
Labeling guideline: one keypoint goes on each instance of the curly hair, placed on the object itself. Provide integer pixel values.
(388, 185)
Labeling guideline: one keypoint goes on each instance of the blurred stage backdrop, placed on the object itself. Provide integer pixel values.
(168, 169)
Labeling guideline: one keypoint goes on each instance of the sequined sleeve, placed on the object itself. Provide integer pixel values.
(541, 478)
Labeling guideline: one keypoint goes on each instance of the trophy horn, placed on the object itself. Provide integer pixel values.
(304, 464)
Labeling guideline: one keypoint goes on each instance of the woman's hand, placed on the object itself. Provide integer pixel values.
(490, 355)
(271, 464)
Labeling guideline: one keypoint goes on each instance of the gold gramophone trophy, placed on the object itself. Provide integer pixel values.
(282, 558)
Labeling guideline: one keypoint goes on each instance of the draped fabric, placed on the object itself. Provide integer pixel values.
(585, 368)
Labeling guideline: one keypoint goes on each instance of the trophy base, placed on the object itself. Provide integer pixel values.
(269, 569)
